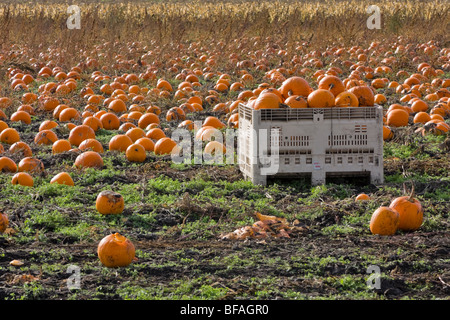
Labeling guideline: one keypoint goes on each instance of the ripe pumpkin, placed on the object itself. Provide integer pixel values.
(60, 146)
(321, 98)
(116, 251)
(21, 148)
(364, 94)
(397, 118)
(147, 143)
(22, 178)
(45, 137)
(295, 86)
(62, 178)
(155, 134)
(91, 144)
(410, 212)
(9, 136)
(80, 133)
(215, 147)
(362, 197)
(296, 102)
(109, 202)
(7, 165)
(165, 146)
(332, 83)
(267, 100)
(120, 142)
(89, 159)
(31, 165)
(346, 99)
(4, 222)
(384, 221)
(213, 122)
(136, 153)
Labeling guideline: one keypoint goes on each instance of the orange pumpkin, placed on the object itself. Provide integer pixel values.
(22, 178)
(62, 178)
(120, 142)
(4, 222)
(362, 197)
(384, 221)
(410, 212)
(136, 153)
(45, 137)
(91, 144)
(21, 148)
(364, 94)
(9, 136)
(80, 133)
(116, 251)
(109, 202)
(7, 165)
(31, 165)
(295, 86)
(89, 159)
(321, 98)
(332, 83)
(165, 146)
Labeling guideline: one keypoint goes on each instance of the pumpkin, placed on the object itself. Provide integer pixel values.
(155, 134)
(213, 122)
(120, 142)
(23, 116)
(147, 119)
(109, 121)
(21, 148)
(410, 212)
(80, 133)
(295, 86)
(362, 197)
(7, 165)
(296, 102)
(387, 133)
(321, 98)
(215, 147)
(91, 144)
(31, 165)
(332, 83)
(62, 178)
(9, 136)
(384, 221)
(364, 94)
(147, 143)
(45, 137)
(115, 251)
(136, 153)
(397, 118)
(60, 146)
(267, 100)
(109, 202)
(165, 146)
(22, 178)
(4, 222)
(89, 159)
(346, 99)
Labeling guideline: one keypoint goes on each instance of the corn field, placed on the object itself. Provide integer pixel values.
(44, 22)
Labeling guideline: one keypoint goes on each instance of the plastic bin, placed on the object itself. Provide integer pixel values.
(317, 142)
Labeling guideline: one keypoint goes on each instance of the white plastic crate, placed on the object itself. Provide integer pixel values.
(317, 142)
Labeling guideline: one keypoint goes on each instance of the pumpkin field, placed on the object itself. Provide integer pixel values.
(93, 205)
